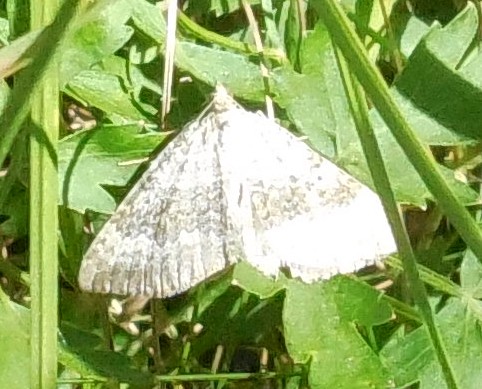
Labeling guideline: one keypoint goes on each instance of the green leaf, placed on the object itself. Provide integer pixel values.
(130, 74)
(451, 42)
(72, 242)
(108, 364)
(15, 344)
(106, 92)
(411, 358)
(205, 294)
(452, 101)
(17, 224)
(314, 112)
(253, 281)
(316, 52)
(359, 303)
(149, 19)
(114, 86)
(471, 278)
(316, 103)
(213, 66)
(90, 160)
(414, 31)
(239, 318)
(99, 33)
(4, 92)
(308, 105)
(11, 55)
(273, 38)
(221, 7)
(316, 331)
(4, 30)
(293, 33)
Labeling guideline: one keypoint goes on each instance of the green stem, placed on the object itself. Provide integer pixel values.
(354, 52)
(199, 32)
(382, 184)
(44, 91)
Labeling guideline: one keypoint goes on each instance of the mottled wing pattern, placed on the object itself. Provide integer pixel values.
(234, 185)
(295, 208)
(169, 232)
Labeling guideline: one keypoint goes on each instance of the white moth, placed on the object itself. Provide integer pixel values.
(232, 186)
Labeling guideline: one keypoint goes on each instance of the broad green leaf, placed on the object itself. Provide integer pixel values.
(426, 126)
(451, 42)
(358, 302)
(316, 52)
(112, 365)
(15, 344)
(149, 19)
(106, 92)
(213, 66)
(111, 88)
(132, 77)
(317, 110)
(240, 276)
(316, 332)
(408, 186)
(252, 280)
(414, 31)
(411, 358)
(454, 100)
(207, 293)
(99, 33)
(90, 160)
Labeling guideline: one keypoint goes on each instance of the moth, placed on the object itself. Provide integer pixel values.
(235, 186)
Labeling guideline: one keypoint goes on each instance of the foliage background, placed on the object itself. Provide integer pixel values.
(346, 333)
